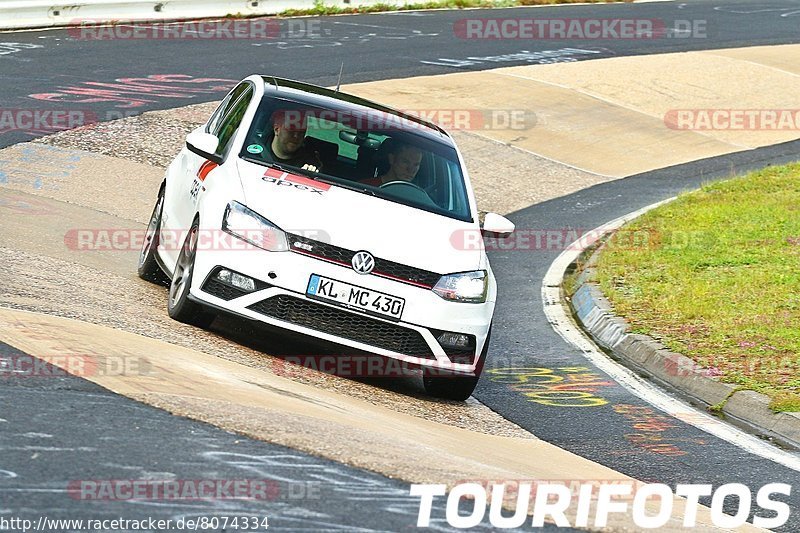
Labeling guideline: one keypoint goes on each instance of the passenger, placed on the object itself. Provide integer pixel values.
(404, 162)
(288, 146)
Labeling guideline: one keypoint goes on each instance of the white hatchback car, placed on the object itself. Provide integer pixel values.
(332, 216)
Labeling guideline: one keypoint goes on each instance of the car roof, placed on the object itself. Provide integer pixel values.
(314, 95)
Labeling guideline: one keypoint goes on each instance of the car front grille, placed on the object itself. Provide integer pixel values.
(383, 267)
(344, 324)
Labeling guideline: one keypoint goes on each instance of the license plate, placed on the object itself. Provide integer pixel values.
(355, 297)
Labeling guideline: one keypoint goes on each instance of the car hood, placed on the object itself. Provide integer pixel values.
(359, 221)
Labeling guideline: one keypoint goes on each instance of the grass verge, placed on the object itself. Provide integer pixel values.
(715, 276)
(320, 8)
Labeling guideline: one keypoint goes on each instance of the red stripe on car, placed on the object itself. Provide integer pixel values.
(294, 178)
(205, 168)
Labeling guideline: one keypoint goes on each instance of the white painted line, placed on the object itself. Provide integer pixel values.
(568, 329)
(370, 26)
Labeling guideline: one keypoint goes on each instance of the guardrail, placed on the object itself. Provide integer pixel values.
(18, 14)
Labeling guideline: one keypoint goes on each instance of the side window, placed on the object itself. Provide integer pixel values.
(229, 124)
(225, 106)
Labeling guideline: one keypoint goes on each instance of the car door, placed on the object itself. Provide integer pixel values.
(189, 172)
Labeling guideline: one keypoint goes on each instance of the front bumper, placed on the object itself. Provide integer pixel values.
(280, 300)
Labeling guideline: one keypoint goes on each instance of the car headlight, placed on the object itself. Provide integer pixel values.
(468, 287)
(251, 227)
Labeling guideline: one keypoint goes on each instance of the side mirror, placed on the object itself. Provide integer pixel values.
(495, 225)
(203, 144)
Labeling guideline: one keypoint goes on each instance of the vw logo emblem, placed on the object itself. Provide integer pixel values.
(363, 262)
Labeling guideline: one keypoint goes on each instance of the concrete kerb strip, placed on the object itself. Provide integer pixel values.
(648, 356)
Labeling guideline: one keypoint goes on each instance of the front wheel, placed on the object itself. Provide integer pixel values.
(179, 306)
(454, 386)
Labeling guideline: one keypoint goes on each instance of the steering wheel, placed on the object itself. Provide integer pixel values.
(401, 182)
(409, 191)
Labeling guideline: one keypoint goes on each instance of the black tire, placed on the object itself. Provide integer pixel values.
(148, 268)
(457, 387)
(179, 306)
(451, 387)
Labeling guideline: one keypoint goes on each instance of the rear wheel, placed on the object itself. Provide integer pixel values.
(148, 268)
(455, 386)
(179, 306)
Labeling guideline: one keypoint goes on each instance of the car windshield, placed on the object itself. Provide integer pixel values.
(369, 151)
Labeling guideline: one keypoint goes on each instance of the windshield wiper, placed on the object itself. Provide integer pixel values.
(347, 184)
(290, 170)
(283, 168)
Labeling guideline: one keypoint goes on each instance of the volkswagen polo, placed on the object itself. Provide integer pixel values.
(335, 217)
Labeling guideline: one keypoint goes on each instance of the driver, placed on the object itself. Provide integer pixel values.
(288, 145)
(404, 162)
